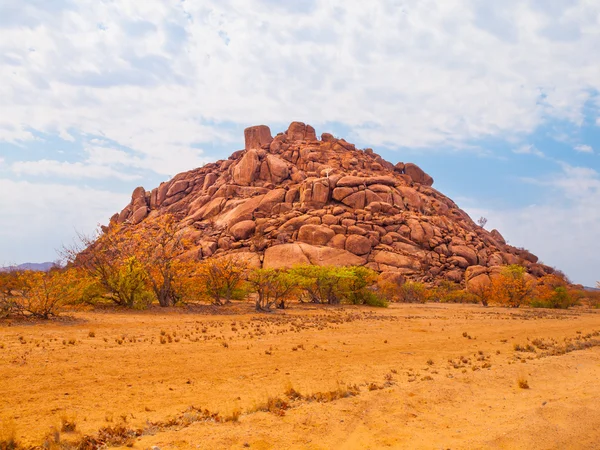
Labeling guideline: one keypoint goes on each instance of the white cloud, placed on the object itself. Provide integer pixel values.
(76, 170)
(158, 77)
(164, 78)
(584, 149)
(529, 150)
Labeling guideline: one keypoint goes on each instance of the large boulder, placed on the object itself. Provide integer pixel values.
(278, 169)
(395, 260)
(417, 174)
(327, 256)
(246, 171)
(243, 230)
(315, 234)
(257, 137)
(359, 245)
(469, 254)
(315, 192)
(284, 256)
(298, 131)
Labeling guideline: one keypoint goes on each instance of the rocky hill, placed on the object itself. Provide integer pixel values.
(297, 199)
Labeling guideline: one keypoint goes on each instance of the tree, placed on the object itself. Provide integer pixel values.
(109, 260)
(512, 287)
(131, 264)
(42, 294)
(322, 284)
(273, 287)
(481, 289)
(551, 291)
(158, 246)
(482, 221)
(222, 279)
(357, 284)
(128, 282)
(8, 291)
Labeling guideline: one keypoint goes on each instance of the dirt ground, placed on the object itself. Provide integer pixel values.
(410, 376)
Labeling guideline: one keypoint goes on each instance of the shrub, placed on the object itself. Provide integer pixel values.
(512, 287)
(334, 285)
(559, 299)
(450, 292)
(42, 294)
(413, 292)
(373, 299)
(522, 382)
(460, 296)
(357, 286)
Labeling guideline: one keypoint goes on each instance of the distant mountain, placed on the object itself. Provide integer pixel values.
(41, 267)
(591, 289)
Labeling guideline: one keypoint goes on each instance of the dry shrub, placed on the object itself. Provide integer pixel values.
(8, 437)
(522, 382)
(68, 424)
(412, 292)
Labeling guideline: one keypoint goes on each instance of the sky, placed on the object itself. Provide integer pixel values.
(498, 101)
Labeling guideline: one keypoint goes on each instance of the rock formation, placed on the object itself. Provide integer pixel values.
(296, 199)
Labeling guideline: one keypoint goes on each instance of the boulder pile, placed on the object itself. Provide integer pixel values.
(298, 199)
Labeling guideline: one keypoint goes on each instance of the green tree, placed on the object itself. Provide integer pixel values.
(322, 284)
(273, 287)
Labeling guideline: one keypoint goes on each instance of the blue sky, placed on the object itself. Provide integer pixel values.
(498, 101)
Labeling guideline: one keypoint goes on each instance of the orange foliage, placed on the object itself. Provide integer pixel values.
(42, 294)
(511, 287)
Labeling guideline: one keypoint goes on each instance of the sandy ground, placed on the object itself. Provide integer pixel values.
(422, 376)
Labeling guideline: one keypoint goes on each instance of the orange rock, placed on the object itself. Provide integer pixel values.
(325, 202)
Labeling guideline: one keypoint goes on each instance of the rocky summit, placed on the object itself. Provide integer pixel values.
(299, 199)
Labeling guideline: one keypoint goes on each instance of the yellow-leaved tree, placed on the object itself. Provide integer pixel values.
(512, 287)
(222, 279)
(132, 265)
(42, 294)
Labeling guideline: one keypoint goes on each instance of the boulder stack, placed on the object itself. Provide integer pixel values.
(297, 199)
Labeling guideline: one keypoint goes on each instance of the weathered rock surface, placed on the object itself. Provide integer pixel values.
(296, 199)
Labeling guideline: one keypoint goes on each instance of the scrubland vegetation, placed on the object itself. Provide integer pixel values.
(134, 269)
(322, 367)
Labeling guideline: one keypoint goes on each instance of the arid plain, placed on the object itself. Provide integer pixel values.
(410, 376)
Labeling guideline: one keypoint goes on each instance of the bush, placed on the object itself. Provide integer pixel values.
(450, 292)
(512, 287)
(413, 292)
(42, 294)
(460, 296)
(560, 299)
(373, 299)
(551, 291)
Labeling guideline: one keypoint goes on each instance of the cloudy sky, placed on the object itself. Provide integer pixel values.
(498, 101)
